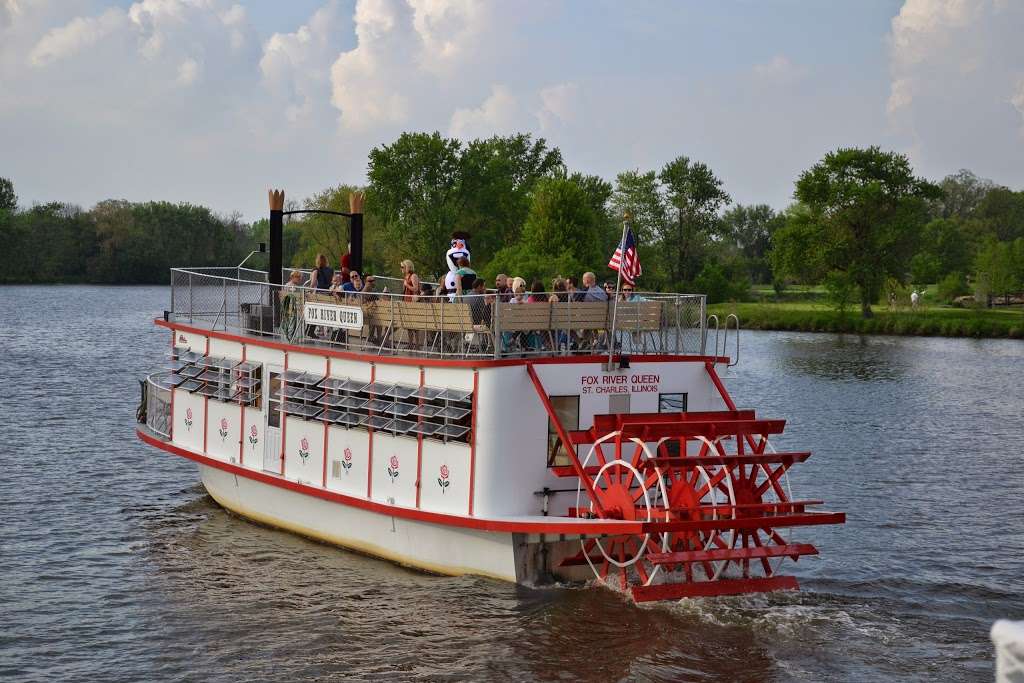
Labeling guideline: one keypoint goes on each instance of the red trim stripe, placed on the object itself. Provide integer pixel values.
(472, 442)
(369, 437)
(433, 362)
(613, 527)
(326, 433)
(419, 450)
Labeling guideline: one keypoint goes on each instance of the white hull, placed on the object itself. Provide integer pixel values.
(432, 547)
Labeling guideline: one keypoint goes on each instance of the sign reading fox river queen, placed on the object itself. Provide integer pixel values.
(332, 315)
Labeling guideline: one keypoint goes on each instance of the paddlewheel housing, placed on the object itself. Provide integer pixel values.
(709, 492)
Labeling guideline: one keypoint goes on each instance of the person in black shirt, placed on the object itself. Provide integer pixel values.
(322, 275)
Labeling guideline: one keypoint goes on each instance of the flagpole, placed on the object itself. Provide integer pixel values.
(618, 283)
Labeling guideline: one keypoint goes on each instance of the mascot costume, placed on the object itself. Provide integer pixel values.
(459, 249)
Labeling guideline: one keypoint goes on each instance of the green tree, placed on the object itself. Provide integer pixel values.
(996, 264)
(866, 209)
(560, 235)
(415, 185)
(750, 229)
(424, 186)
(641, 197)
(8, 200)
(1002, 213)
(694, 196)
(962, 193)
(497, 177)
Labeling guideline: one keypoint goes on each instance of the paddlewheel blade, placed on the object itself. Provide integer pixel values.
(712, 493)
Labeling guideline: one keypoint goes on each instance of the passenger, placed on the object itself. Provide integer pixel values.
(504, 292)
(464, 277)
(609, 290)
(322, 275)
(346, 264)
(336, 286)
(518, 291)
(368, 296)
(511, 340)
(370, 289)
(354, 285)
(537, 293)
(558, 293)
(572, 289)
(628, 294)
(591, 292)
(294, 282)
(426, 292)
(479, 303)
(410, 280)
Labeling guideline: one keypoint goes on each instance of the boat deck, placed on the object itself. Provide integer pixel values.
(241, 302)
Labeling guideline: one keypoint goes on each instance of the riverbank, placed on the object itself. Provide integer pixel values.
(931, 321)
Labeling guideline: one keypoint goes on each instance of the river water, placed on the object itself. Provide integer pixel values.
(114, 564)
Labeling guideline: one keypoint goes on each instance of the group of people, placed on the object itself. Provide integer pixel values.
(513, 290)
(346, 285)
(341, 283)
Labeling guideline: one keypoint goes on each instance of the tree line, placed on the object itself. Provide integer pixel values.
(862, 223)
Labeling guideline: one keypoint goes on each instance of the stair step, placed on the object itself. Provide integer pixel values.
(794, 550)
(746, 459)
(704, 589)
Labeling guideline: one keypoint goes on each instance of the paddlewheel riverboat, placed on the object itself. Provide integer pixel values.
(479, 437)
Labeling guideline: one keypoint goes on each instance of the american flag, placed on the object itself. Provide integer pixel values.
(626, 260)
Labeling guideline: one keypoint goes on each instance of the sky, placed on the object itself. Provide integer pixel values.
(213, 101)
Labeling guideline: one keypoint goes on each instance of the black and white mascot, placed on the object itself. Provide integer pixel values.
(459, 249)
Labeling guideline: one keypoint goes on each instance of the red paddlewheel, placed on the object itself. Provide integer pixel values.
(758, 487)
(697, 492)
(626, 489)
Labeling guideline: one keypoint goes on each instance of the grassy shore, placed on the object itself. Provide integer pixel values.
(933, 321)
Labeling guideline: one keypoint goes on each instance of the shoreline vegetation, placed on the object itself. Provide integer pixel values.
(1004, 322)
(863, 236)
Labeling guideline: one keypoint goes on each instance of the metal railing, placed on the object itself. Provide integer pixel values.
(481, 326)
(158, 403)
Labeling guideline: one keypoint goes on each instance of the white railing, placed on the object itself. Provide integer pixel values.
(158, 403)
(473, 326)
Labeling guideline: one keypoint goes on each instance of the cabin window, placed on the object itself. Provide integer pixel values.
(406, 410)
(671, 403)
(567, 408)
(274, 404)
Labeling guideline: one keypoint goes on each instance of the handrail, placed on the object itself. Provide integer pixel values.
(158, 411)
(662, 323)
(736, 359)
(707, 329)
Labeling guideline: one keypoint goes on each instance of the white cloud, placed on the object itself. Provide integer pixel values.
(955, 66)
(369, 81)
(559, 105)
(295, 67)
(499, 113)
(78, 34)
(188, 72)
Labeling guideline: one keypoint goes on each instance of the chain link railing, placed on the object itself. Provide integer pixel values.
(474, 326)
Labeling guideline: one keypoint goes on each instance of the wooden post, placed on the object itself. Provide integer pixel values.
(355, 231)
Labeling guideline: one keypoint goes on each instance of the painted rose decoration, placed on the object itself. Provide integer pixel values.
(252, 437)
(442, 481)
(188, 419)
(304, 449)
(223, 429)
(393, 468)
(347, 462)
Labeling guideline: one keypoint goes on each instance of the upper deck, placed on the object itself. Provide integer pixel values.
(241, 301)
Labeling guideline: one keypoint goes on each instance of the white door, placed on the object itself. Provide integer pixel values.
(272, 414)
